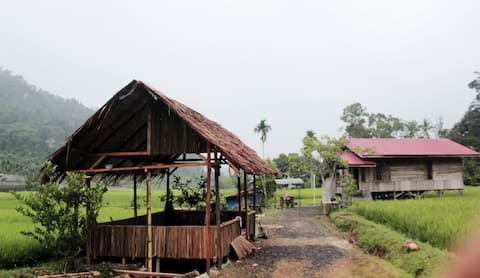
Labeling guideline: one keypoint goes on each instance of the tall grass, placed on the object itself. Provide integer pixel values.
(440, 221)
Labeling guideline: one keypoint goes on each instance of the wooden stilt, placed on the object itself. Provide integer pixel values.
(157, 266)
(149, 221)
(208, 249)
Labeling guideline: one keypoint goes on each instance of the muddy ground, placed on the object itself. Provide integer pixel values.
(302, 243)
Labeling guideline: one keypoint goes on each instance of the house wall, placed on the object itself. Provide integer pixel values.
(412, 175)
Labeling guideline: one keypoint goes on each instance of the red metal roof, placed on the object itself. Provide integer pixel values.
(378, 147)
(353, 160)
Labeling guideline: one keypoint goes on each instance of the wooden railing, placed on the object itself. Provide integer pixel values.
(187, 242)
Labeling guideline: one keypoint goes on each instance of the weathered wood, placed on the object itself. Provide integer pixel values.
(242, 247)
(245, 199)
(136, 168)
(186, 242)
(147, 273)
(79, 274)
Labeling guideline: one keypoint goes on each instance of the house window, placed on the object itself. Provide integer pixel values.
(363, 175)
(429, 170)
(382, 173)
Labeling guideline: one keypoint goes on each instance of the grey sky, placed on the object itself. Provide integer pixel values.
(294, 63)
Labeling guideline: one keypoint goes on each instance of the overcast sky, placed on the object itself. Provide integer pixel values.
(295, 63)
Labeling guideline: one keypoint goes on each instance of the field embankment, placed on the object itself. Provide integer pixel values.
(379, 240)
(440, 221)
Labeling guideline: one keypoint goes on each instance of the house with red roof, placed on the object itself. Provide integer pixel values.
(395, 168)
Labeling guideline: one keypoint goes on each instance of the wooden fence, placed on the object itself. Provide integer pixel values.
(186, 242)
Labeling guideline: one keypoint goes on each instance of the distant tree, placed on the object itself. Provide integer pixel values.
(282, 164)
(411, 129)
(383, 126)
(355, 116)
(263, 128)
(467, 132)
(426, 127)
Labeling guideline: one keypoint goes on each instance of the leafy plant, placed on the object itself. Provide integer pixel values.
(60, 209)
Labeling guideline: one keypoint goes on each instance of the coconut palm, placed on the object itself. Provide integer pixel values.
(263, 128)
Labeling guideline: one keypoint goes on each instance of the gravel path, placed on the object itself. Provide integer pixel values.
(299, 244)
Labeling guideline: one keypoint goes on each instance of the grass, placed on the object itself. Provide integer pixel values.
(379, 240)
(440, 221)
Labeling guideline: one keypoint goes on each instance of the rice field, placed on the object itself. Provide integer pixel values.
(440, 221)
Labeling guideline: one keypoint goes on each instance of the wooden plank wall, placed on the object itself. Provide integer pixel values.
(411, 175)
(185, 242)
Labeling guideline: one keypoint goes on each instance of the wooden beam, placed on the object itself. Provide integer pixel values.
(147, 274)
(133, 109)
(99, 160)
(254, 201)
(235, 169)
(116, 154)
(139, 168)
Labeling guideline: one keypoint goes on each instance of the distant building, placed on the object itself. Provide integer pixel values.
(12, 183)
(289, 182)
(395, 168)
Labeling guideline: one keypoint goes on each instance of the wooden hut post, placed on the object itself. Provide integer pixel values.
(245, 199)
(149, 221)
(239, 195)
(208, 246)
(217, 212)
(135, 213)
(88, 248)
(254, 201)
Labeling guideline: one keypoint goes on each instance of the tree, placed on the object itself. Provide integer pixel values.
(467, 132)
(411, 129)
(61, 212)
(355, 116)
(426, 127)
(329, 150)
(263, 128)
(282, 164)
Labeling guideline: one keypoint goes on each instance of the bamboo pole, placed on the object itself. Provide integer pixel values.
(149, 221)
(208, 251)
(217, 213)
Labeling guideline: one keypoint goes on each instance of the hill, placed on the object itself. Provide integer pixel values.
(33, 123)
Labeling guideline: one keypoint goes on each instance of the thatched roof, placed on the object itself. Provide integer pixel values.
(140, 126)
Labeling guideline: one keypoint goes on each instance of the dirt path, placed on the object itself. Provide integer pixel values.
(298, 245)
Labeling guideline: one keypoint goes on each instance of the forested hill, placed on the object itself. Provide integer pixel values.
(33, 123)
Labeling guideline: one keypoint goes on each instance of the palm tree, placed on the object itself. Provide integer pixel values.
(425, 128)
(263, 128)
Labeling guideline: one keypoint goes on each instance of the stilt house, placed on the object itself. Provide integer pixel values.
(398, 167)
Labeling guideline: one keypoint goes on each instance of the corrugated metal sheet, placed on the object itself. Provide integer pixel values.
(353, 160)
(388, 147)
